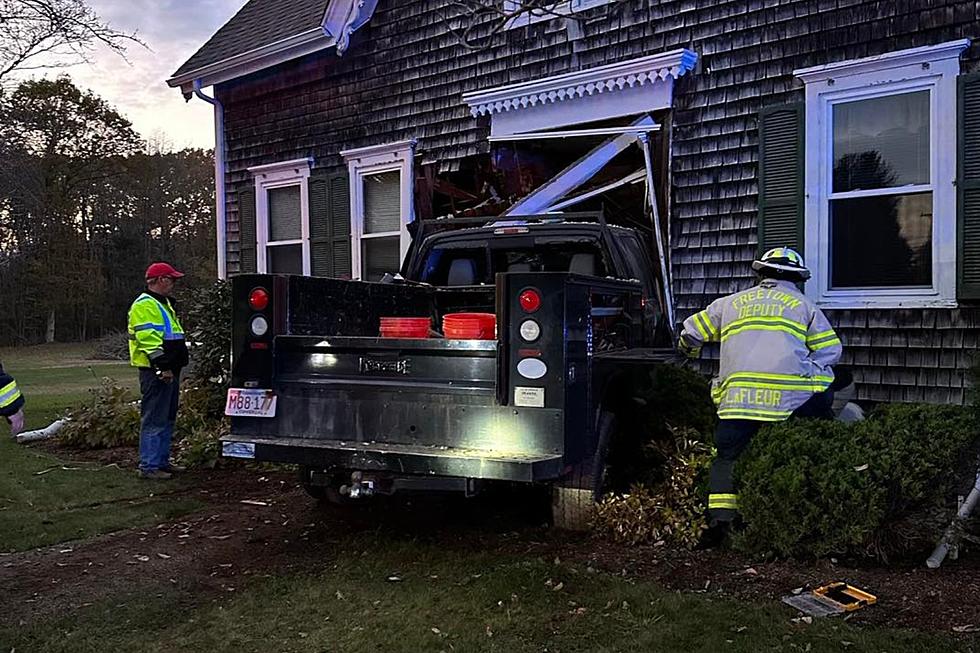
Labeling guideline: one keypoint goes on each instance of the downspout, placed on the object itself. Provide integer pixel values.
(219, 178)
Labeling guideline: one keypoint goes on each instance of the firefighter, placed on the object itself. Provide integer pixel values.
(777, 354)
(157, 348)
(11, 402)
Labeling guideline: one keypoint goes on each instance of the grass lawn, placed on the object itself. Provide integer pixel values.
(45, 500)
(411, 596)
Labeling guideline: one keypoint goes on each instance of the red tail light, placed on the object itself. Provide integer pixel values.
(258, 299)
(530, 300)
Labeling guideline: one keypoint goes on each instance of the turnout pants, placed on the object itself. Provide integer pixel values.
(158, 412)
(732, 437)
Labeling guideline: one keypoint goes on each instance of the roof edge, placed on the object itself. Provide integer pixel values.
(253, 60)
(341, 19)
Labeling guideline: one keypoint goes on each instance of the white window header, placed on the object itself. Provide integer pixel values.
(923, 57)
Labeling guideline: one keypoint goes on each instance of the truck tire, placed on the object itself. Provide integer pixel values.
(573, 499)
(317, 492)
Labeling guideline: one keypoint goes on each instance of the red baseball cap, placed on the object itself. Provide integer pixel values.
(161, 269)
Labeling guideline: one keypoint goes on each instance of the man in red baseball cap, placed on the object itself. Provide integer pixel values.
(157, 348)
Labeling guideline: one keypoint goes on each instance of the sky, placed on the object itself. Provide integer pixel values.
(173, 30)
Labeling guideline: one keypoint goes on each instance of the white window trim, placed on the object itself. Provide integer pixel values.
(932, 68)
(558, 10)
(281, 175)
(371, 160)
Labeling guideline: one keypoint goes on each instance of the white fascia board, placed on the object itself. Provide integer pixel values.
(391, 150)
(583, 83)
(915, 56)
(341, 19)
(282, 166)
(254, 60)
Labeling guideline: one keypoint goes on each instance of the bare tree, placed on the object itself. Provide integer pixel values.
(475, 23)
(38, 34)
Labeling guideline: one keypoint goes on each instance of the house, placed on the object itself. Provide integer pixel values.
(849, 129)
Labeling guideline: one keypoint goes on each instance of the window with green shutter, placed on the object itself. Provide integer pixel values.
(880, 162)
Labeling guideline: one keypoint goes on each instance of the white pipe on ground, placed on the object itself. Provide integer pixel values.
(949, 537)
(41, 434)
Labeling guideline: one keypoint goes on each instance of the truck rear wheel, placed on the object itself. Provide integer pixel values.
(573, 499)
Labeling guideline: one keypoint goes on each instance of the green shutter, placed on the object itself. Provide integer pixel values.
(781, 177)
(320, 263)
(330, 225)
(968, 188)
(246, 230)
(339, 215)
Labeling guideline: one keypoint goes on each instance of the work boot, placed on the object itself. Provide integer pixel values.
(156, 475)
(174, 469)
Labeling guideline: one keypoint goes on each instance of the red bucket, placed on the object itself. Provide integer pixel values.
(470, 326)
(405, 327)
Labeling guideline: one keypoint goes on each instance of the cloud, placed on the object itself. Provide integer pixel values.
(172, 30)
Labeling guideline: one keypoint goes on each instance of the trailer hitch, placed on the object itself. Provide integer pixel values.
(359, 487)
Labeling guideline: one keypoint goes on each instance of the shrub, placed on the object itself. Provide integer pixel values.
(201, 421)
(671, 398)
(671, 512)
(812, 488)
(112, 419)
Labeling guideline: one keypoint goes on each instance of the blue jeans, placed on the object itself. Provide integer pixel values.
(158, 411)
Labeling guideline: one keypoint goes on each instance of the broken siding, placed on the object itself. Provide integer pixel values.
(404, 76)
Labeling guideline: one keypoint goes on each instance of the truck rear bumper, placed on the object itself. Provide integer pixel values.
(396, 458)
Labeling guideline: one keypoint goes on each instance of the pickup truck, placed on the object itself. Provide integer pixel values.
(313, 384)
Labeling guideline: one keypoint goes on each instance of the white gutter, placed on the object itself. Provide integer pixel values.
(219, 179)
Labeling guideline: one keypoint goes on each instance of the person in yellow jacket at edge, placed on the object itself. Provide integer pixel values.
(11, 402)
(777, 354)
(157, 348)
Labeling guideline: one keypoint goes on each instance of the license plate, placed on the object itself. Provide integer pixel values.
(249, 402)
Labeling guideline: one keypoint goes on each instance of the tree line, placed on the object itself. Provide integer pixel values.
(85, 205)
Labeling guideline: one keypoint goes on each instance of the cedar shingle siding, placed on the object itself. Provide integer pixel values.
(404, 76)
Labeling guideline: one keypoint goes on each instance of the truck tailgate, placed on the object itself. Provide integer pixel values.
(417, 406)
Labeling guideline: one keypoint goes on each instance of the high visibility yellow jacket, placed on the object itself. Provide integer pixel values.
(777, 350)
(156, 338)
(11, 399)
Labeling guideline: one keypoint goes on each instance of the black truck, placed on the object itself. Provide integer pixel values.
(313, 384)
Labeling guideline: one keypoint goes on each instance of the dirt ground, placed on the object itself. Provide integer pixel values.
(258, 522)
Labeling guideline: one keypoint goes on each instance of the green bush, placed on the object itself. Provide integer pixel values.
(111, 419)
(811, 488)
(201, 420)
(647, 415)
(671, 512)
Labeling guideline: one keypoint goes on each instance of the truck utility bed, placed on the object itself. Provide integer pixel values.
(570, 307)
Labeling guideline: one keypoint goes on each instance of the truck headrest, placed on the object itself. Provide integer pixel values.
(462, 272)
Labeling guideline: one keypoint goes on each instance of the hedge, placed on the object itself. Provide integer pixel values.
(878, 488)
